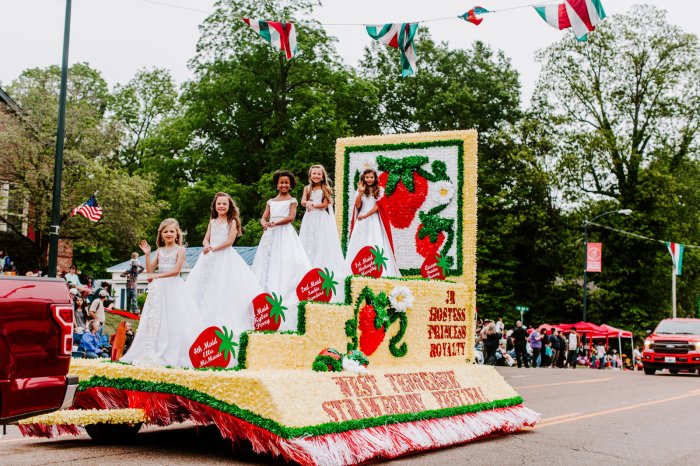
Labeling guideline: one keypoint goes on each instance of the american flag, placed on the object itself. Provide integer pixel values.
(90, 209)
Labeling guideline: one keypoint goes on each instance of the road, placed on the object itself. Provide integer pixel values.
(588, 417)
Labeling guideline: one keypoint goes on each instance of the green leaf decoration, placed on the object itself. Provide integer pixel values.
(379, 258)
(328, 285)
(444, 262)
(401, 170)
(277, 309)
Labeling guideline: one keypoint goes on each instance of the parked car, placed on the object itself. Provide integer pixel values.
(673, 345)
(36, 339)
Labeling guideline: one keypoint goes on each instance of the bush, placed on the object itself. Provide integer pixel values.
(140, 300)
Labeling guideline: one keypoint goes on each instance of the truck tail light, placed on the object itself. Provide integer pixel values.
(63, 315)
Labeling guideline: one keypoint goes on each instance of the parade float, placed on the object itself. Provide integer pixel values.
(387, 372)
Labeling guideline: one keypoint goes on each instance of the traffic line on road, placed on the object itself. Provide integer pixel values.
(578, 382)
(570, 418)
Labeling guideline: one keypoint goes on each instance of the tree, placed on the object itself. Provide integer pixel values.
(139, 106)
(249, 111)
(453, 88)
(27, 161)
(626, 107)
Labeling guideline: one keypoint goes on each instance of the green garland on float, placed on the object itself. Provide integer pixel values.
(275, 427)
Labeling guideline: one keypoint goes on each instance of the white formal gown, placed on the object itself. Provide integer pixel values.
(280, 261)
(222, 284)
(319, 235)
(370, 232)
(170, 321)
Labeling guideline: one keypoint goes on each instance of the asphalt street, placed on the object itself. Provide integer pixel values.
(588, 417)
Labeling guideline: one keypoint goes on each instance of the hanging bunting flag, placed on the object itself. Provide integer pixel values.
(281, 35)
(676, 250)
(555, 15)
(400, 36)
(580, 15)
(584, 15)
(89, 209)
(472, 17)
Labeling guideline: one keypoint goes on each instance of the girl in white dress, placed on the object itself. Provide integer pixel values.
(318, 232)
(222, 284)
(170, 321)
(369, 229)
(280, 261)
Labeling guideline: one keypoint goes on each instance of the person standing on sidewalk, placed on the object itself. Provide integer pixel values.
(536, 345)
(519, 337)
(574, 342)
(554, 340)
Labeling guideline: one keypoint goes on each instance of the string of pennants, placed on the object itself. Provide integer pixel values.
(581, 16)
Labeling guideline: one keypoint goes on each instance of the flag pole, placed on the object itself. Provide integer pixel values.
(673, 286)
(58, 164)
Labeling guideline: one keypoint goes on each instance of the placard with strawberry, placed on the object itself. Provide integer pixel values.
(369, 261)
(214, 347)
(317, 285)
(268, 311)
(435, 267)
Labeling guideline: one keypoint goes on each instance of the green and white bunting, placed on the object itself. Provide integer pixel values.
(400, 36)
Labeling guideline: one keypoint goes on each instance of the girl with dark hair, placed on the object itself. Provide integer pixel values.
(280, 261)
(222, 284)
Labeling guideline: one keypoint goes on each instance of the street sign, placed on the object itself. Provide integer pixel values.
(522, 308)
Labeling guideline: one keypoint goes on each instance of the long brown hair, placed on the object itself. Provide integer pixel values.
(374, 189)
(233, 214)
(167, 222)
(326, 184)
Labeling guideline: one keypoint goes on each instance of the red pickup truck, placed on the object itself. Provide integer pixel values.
(36, 342)
(673, 345)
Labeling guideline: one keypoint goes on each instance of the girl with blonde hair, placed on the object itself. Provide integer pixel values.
(318, 232)
(170, 321)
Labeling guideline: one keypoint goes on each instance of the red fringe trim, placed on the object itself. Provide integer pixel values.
(352, 447)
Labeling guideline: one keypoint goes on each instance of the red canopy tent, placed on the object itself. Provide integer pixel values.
(589, 329)
(616, 332)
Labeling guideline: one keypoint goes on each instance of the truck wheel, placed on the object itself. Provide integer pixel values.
(673, 371)
(113, 433)
(649, 370)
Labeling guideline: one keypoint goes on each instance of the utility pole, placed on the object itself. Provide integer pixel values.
(58, 164)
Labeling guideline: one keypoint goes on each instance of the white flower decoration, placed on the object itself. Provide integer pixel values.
(368, 163)
(444, 190)
(351, 365)
(401, 298)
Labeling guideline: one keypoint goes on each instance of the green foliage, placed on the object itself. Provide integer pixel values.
(27, 160)
(141, 300)
(626, 108)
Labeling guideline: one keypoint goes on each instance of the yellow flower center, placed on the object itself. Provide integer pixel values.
(443, 192)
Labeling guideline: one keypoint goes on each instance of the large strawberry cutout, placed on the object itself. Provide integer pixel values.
(317, 285)
(214, 347)
(268, 311)
(424, 244)
(370, 336)
(435, 267)
(405, 195)
(370, 261)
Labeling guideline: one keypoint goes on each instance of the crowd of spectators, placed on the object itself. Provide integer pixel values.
(6, 264)
(89, 306)
(530, 347)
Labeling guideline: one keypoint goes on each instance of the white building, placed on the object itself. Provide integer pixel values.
(119, 282)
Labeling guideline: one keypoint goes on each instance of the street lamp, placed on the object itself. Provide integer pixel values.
(585, 251)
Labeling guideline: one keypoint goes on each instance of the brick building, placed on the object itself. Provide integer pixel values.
(14, 207)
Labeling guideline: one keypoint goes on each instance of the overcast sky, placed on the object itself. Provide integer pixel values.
(118, 37)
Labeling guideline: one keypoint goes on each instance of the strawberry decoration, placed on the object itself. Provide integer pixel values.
(213, 347)
(436, 267)
(406, 193)
(424, 246)
(369, 261)
(317, 285)
(267, 310)
(328, 360)
(370, 335)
